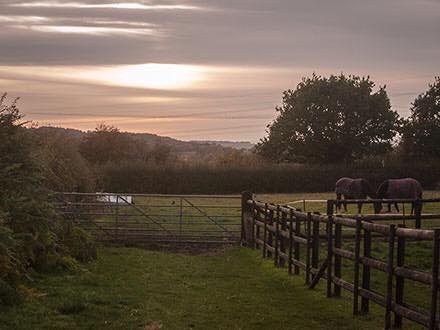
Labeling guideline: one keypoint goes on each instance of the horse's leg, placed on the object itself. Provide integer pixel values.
(345, 205)
(338, 202)
(389, 207)
(413, 206)
(396, 206)
(359, 208)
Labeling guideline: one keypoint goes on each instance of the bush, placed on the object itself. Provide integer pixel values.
(80, 245)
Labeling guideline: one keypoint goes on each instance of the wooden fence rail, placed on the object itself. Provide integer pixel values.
(293, 238)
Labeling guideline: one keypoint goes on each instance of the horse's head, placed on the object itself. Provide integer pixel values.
(377, 207)
(367, 190)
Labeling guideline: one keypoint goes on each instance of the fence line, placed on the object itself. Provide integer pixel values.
(292, 237)
(142, 219)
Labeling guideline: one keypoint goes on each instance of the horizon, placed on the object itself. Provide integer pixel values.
(204, 70)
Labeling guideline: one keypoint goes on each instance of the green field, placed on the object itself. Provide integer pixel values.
(133, 288)
(128, 288)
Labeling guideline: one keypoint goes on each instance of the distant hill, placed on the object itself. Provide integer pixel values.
(229, 144)
(181, 148)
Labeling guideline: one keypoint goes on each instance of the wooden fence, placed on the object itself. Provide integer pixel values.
(295, 240)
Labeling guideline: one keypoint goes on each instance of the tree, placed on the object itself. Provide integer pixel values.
(331, 120)
(105, 144)
(421, 131)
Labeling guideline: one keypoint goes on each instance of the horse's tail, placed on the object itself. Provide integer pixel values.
(368, 190)
(382, 190)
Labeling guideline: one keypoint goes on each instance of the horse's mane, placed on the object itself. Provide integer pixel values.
(381, 191)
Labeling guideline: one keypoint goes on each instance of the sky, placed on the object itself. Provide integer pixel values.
(204, 70)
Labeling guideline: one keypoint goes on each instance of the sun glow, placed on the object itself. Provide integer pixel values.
(152, 75)
(115, 5)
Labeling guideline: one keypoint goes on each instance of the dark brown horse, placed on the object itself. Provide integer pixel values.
(352, 189)
(407, 188)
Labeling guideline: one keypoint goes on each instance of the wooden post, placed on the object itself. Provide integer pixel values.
(357, 250)
(365, 302)
(390, 275)
(434, 281)
(400, 280)
(255, 233)
(276, 244)
(181, 217)
(315, 245)
(290, 240)
(308, 245)
(297, 245)
(418, 213)
(329, 247)
(257, 228)
(246, 219)
(338, 261)
(266, 216)
(283, 239)
(117, 219)
(270, 234)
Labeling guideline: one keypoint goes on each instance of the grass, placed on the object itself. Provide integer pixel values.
(130, 288)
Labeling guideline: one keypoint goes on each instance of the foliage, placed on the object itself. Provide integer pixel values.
(30, 230)
(65, 169)
(105, 144)
(80, 244)
(421, 132)
(335, 119)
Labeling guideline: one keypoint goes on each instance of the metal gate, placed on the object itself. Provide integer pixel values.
(154, 218)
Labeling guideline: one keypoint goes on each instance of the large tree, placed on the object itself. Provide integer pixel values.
(106, 144)
(421, 132)
(331, 119)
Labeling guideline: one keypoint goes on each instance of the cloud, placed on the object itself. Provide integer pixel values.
(115, 5)
(248, 51)
(93, 30)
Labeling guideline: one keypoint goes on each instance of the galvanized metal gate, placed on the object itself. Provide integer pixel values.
(154, 218)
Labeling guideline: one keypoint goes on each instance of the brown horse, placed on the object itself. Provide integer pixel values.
(352, 189)
(407, 188)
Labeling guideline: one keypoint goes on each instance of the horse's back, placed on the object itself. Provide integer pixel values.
(349, 187)
(404, 188)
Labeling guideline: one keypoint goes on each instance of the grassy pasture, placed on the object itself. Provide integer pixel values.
(139, 289)
(132, 289)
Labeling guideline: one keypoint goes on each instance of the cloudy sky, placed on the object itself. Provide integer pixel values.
(204, 69)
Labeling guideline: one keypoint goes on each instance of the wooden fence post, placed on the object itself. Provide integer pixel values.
(270, 233)
(117, 219)
(390, 275)
(400, 280)
(308, 245)
(276, 244)
(247, 217)
(338, 261)
(257, 213)
(365, 302)
(315, 245)
(266, 216)
(357, 250)
(297, 246)
(434, 281)
(290, 240)
(418, 213)
(329, 247)
(283, 239)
